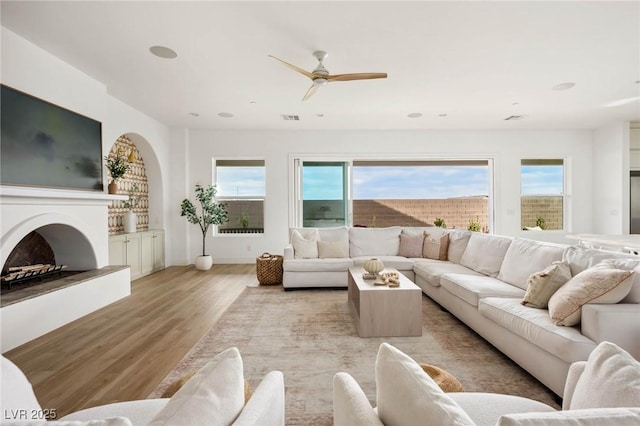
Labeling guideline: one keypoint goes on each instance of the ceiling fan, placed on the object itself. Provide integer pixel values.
(321, 77)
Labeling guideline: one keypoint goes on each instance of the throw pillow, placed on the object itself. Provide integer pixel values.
(436, 247)
(542, 285)
(627, 265)
(331, 249)
(593, 285)
(214, 395)
(411, 244)
(406, 395)
(458, 240)
(611, 378)
(305, 248)
(350, 405)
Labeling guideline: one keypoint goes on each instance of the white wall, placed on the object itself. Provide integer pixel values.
(505, 147)
(27, 67)
(611, 179)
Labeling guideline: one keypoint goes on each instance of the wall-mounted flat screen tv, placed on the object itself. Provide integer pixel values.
(44, 145)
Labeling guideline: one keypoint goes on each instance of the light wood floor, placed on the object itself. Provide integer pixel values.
(124, 350)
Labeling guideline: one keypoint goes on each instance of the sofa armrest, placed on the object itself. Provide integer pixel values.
(618, 323)
(288, 252)
(266, 405)
(575, 371)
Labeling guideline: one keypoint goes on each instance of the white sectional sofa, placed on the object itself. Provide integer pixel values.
(482, 283)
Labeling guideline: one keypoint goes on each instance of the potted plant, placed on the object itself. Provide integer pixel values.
(117, 167)
(474, 225)
(213, 213)
(439, 222)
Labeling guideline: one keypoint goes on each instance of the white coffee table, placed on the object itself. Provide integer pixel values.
(382, 311)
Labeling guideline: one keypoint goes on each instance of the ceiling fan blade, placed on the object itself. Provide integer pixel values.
(293, 67)
(356, 76)
(313, 89)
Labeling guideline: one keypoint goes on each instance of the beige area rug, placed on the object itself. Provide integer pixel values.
(309, 335)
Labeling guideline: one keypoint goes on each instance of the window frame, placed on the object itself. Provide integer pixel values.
(226, 198)
(566, 195)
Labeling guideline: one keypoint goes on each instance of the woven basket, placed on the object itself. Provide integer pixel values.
(269, 269)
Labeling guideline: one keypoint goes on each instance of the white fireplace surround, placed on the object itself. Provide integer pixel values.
(75, 224)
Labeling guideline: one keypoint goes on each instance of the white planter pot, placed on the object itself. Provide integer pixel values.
(130, 222)
(204, 263)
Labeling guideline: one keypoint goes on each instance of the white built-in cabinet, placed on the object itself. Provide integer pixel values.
(142, 251)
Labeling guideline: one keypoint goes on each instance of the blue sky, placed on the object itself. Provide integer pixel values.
(541, 180)
(382, 182)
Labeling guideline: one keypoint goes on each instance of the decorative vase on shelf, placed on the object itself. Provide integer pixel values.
(130, 221)
(113, 187)
(373, 266)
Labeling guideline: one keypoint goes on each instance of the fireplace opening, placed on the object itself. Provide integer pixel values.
(31, 262)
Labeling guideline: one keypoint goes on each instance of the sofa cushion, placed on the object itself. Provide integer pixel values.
(16, 392)
(339, 233)
(374, 241)
(317, 265)
(594, 285)
(406, 395)
(591, 417)
(534, 325)
(611, 378)
(486, 408)
(332, 250)
(484, 253)
(458, 240)
(397, 262)
(411, 244)
(581, 258)
(214, 395)
(432, 270)
(350, 405)
(471, 288)
(628, 265)
(436, 247)
(526, 257)
(305, 246)
(542, 285)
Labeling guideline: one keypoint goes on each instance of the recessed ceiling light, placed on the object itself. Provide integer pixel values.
(163, 52)
(563, 86)
(253, 102)
(442, 115)
(225, 114)
(320, 115)
(194, 114)
(415, 115)
(515, 104)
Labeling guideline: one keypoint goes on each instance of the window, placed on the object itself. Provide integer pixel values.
(415, 193)
(241, 185)
(324, 194)
(381, 193)
(542, 194)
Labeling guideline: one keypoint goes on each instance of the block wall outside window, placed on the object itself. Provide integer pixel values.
(542, 194)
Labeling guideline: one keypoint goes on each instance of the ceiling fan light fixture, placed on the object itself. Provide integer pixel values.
(320, 81)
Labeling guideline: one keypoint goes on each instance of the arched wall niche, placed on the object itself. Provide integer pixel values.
(150, 212)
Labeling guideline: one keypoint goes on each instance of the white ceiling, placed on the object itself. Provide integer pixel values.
(469, 60)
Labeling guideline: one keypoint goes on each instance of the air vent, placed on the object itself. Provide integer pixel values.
(514, 117)
(286, 117)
